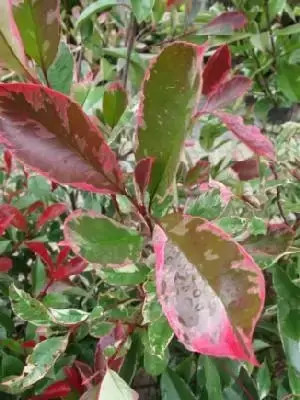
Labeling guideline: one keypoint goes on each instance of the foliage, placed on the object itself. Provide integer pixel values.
(149, 214)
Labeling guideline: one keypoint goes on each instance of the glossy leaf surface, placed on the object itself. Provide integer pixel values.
(169, 97)
(39, 25)
(114, 387)
(210, 289)
(51, 134)
(101, 240)
(50, 213)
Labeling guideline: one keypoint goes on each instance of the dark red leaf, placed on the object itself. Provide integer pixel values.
(34, 206)
(63, 254)
(41, 250)
(5, 221)
(5, 264)
(74, 378)
(171, 3)
(30, 344)
(199, 173)
(216, 70)
(51, 134)
(72, 267)
(248, 134)
(246, 169)
(227, 93)
(57, 389)
(17, 219)
(85, 372)
(8, 161)
(142, 173)
(232, 20)
(51, 212)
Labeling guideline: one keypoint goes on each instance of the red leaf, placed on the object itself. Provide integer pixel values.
(51, 134)
(225, 192)
(30, 344)
(248, 134)
(85, 372)
(73, 267)
(41, 250)
(210, 289)
(51, 212)
(63, 254)
(57, 389)
(142, 173)
(8, 212)
(233, 20)
(199, 173)
(74, 378)
(171, 3)
(8, 161)
(246, 169)
(34, 206)
(226, 93)
(5, 264)
(216, 70)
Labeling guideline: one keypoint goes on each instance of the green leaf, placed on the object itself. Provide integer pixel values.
(127, 275)
(39, 25)
(212, 380)
(99, 328)
(6, 321)
(12, 52)
(168, 99)
(233, 225)
(293, 29)
(37, 366)
(263, 380)
(208, 205)
(174, 388)
(288, 80)
(132, 358)
(257, 226)
(38, 276)
(88, 96)
(154, 364)
(288, 306)
(114, 104)
(60, 73)
(101, 240)
(160, 335)
(56, 300)
(142, 9)
(10, 366)
(98, 7)
(68, 317)
(114, 387)
(39, 186)
(28, 308)
(4, 245)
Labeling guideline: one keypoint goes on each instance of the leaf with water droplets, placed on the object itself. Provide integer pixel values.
(168, 100)
(210, 289)
(51, 134)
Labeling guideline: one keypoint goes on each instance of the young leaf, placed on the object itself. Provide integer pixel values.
(60, 72)
(113, 387)
(28, 308)
(72, 267)
(210, 289)
(225, 23)
(169, 97)
(5, 264)
(56, 390)
(114, 103)
(101, 240)
(37, 366)
(50, 213)
(246, 169)
(142, 174)
(12, 53)
(39, 26)
(41, 250)
(56, 138)
(10, 215)
(216, 70)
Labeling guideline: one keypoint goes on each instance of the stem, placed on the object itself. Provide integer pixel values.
(45, 290)
(267, 11)
(130, 41)
(278, 195)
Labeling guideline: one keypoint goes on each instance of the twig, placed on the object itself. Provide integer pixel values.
(78, 67)
(130, 41)
(267, 11)
(278, 195)
(73, 196)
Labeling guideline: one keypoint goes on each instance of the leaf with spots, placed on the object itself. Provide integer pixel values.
(37, 365)
(210, 289)
(168, 100)
(50, 133)
(39, 25)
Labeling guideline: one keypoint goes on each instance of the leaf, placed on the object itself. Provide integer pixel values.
(72, 267)
(225, 23)
(60, 72)
(174, 388)
(37, 366)
(41, 250)
(12, 53)
(263, 380)
(68, 317)
(212, 380)
(142, 174)
(216, 70)
(131, 363)
(288, 80)
(250, 135)
(127, 275)
(142, 9)
(160, 335)
(27, 308)
(101, 240)
(5, 264)
(169, 97)
(212, 306)
(114, 387)
(56, 138)
(39, 25)
(10, 215)
(50, 213)
(246, 170)
(57, 389)
(99, 7)
(114, 103)
(226, 93)
(199, 173)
